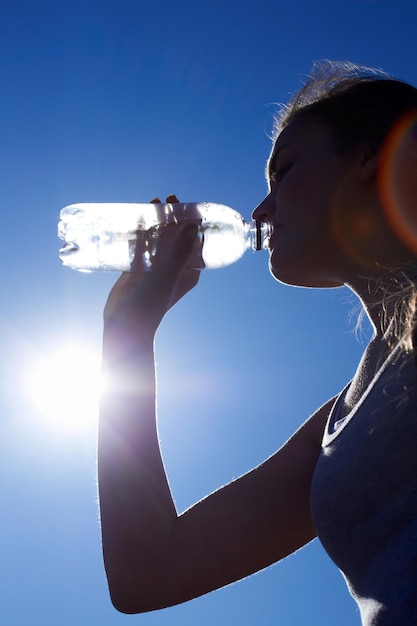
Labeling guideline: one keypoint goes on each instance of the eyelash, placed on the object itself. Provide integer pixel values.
(277, 175)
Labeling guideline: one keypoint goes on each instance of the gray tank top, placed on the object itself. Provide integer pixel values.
(364, 495)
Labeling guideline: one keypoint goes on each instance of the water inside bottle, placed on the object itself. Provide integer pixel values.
(216, 245)
(110, 237)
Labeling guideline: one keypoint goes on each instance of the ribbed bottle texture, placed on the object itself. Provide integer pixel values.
(111, 236)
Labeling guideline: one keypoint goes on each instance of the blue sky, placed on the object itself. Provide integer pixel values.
(118, 101)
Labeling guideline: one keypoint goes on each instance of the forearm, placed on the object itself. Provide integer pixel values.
(138, 516)
(137, 511)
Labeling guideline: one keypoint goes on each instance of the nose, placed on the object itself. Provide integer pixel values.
(263, 212)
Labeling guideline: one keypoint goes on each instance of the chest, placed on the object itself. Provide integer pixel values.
(364, 490)
(372, 360)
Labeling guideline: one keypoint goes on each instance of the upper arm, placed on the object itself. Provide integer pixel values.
(243, 527)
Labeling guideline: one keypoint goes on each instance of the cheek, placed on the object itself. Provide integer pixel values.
(310, 191)
(304, 197)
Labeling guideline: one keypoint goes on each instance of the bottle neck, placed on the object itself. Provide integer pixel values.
(258, 234)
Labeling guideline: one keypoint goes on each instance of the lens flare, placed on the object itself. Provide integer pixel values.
(398, 180)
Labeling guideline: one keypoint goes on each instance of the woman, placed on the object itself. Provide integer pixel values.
(342, 203)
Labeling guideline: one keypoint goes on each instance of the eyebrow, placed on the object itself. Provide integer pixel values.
(269, 165)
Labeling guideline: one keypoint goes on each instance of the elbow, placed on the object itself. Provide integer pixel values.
(129, 604)
(138, 589)
(126, 606)
(131, 599)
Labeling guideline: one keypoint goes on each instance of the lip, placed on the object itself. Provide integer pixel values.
(271, 242)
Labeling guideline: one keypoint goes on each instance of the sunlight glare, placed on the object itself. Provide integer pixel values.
(65, 386)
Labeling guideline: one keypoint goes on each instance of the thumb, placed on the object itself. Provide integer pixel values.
(184, 246)
(173, 274)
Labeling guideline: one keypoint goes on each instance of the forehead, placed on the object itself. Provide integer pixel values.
(303, 132)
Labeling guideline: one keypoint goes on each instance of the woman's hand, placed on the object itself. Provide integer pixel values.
(139, 300)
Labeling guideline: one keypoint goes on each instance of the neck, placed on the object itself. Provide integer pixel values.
(388, 301)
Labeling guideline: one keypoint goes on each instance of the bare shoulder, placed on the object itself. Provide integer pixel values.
(311, 432)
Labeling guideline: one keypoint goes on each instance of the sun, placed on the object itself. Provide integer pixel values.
(65, 386)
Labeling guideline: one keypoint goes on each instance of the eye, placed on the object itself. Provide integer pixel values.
(276, 176)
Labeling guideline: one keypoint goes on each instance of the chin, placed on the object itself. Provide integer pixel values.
(297, 277)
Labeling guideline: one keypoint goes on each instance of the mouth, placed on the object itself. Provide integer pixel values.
(273, 237)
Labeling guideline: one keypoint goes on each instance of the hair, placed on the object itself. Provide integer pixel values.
(363, 105)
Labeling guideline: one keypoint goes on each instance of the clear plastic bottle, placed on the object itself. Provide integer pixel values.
(109, 236)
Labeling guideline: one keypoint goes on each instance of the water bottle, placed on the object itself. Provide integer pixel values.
(111, 236)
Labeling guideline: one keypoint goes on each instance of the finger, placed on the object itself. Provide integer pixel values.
(184, 245)
(156, 201)
(171, 261)
(172, 198)
(174, 276)
(145, 297)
